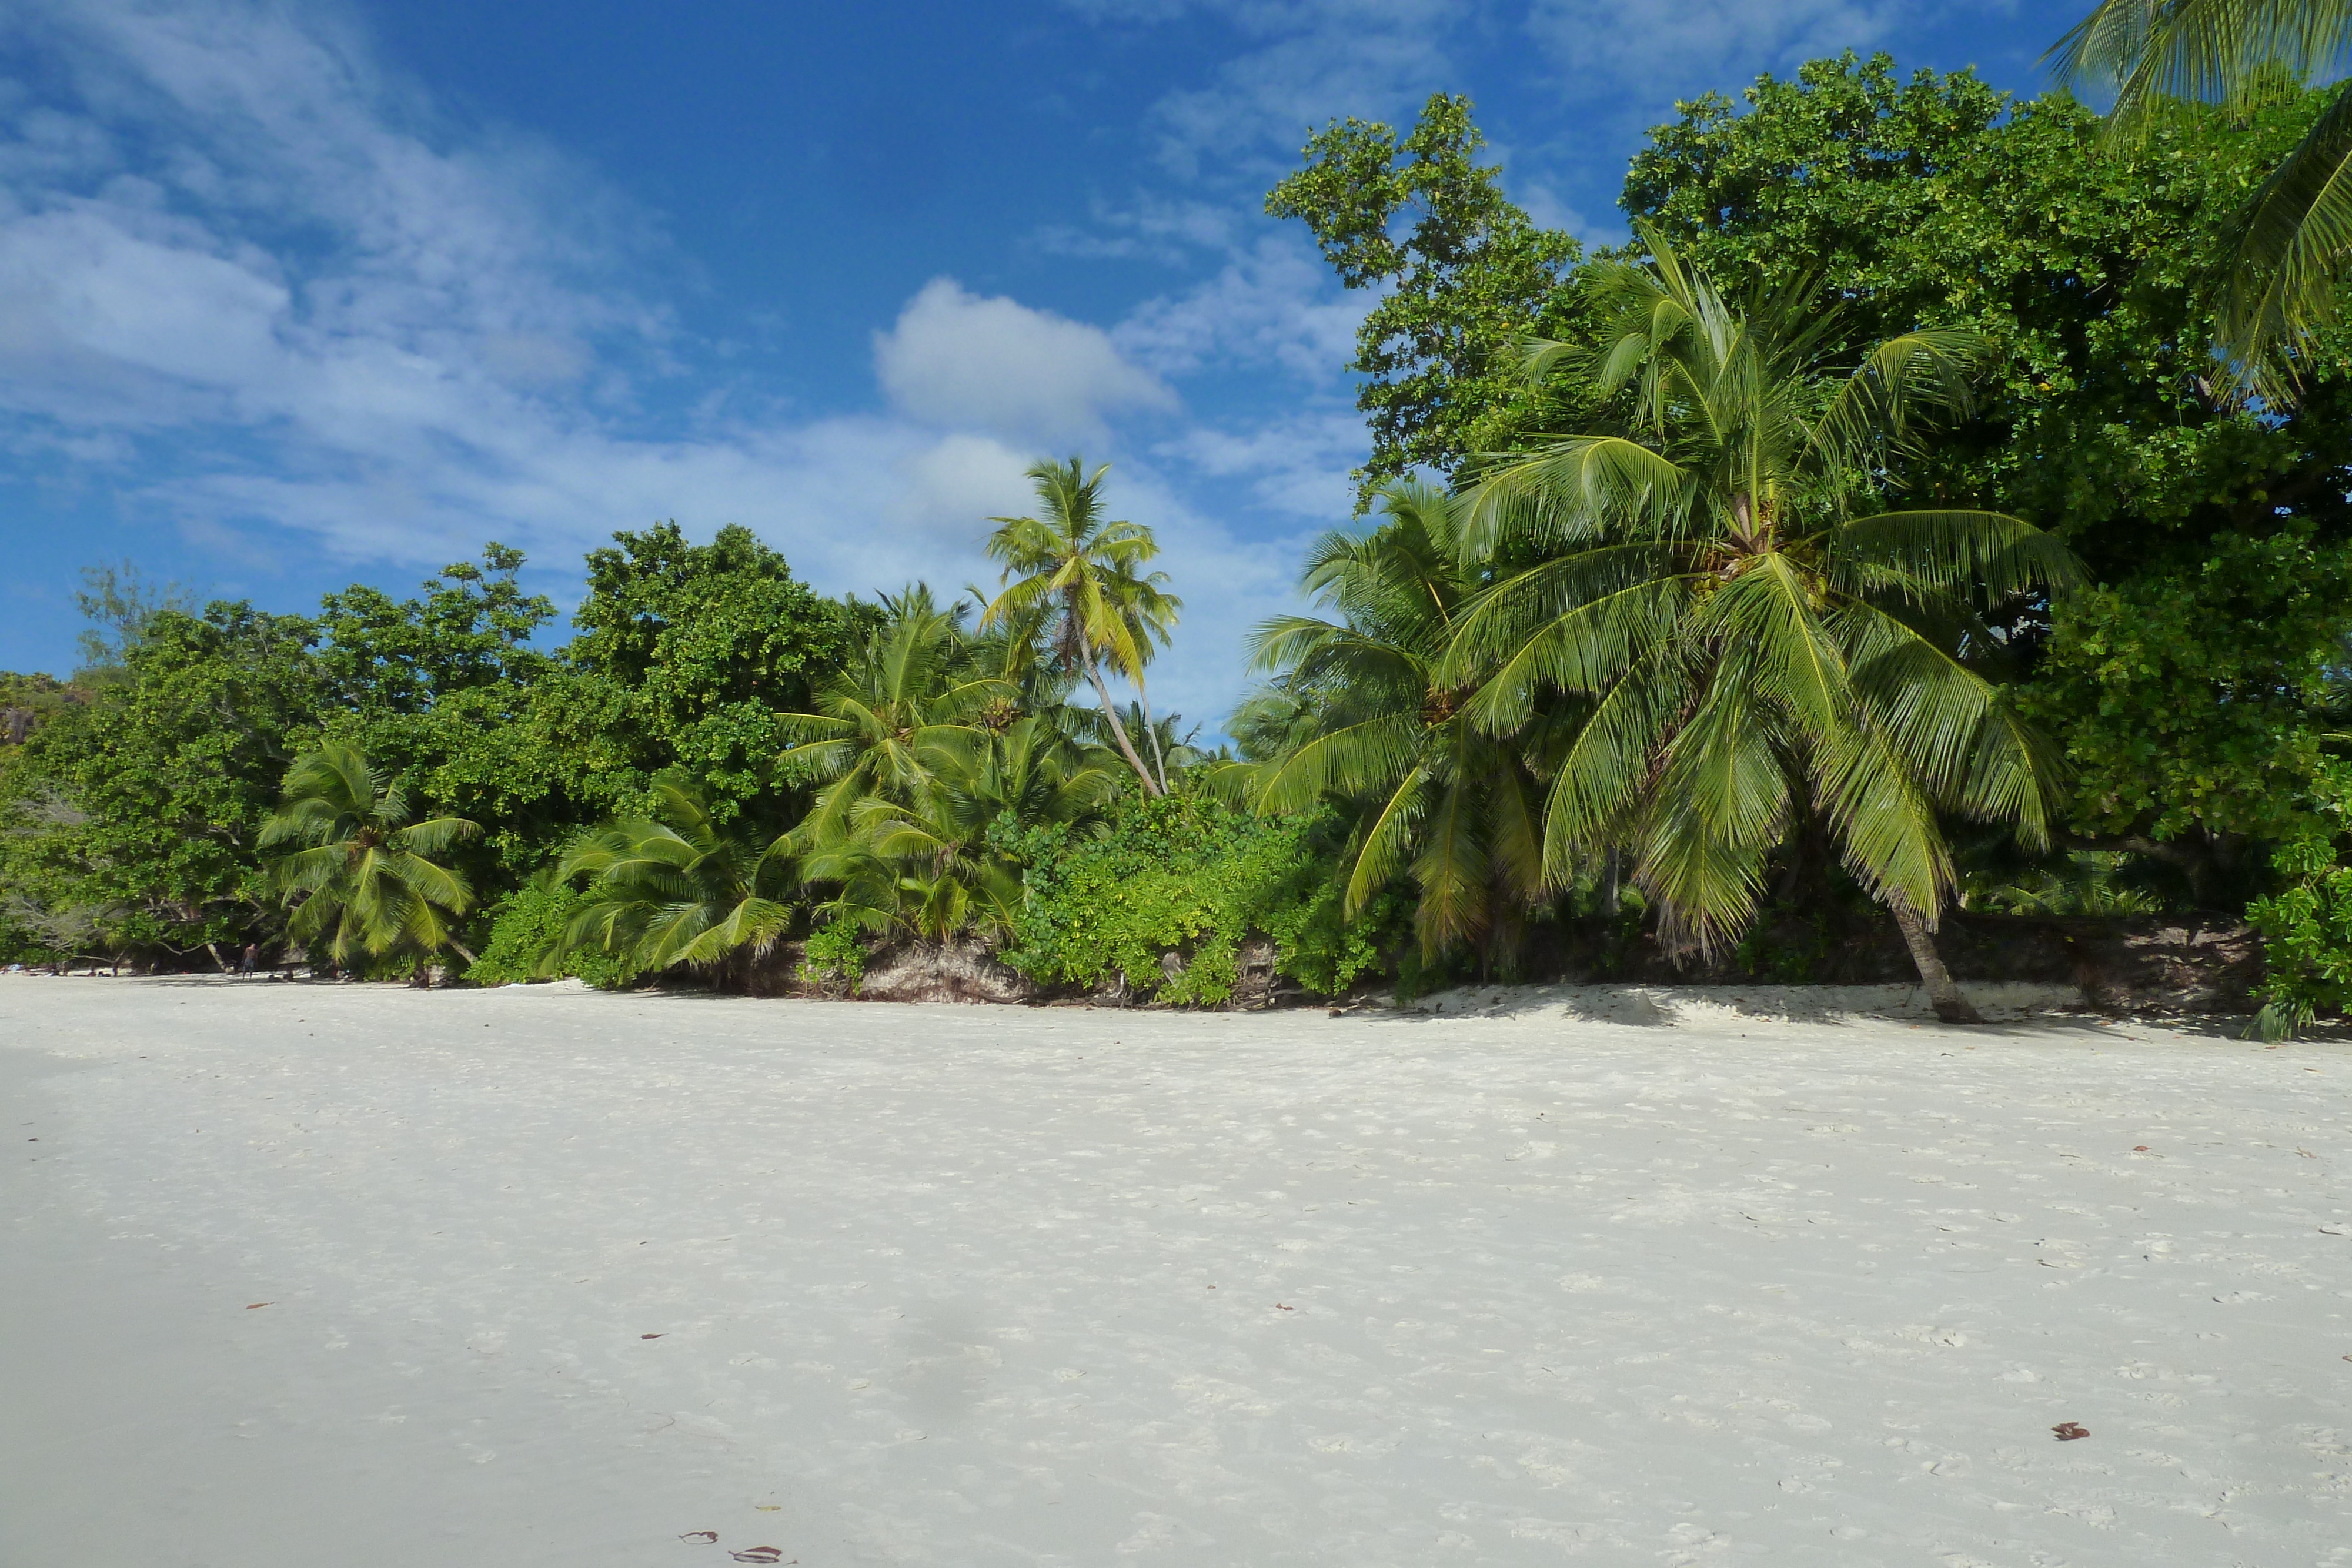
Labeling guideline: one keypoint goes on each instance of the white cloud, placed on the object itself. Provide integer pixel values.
(956, 359)
(1546, 209)
(1272, 303)
(1155, 229)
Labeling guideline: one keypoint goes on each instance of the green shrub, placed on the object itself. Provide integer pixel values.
(2306, 931)
(525, 923)
(834, 955)
(1188, 877)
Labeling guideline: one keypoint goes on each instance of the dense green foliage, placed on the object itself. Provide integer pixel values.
(1165, 898)
(1935, 202)
(2200, 703)
(132, 818)
(1458, 284)
(1356, 716)
(2192, 683)
(131, 814)
(1879, 524)
(526, 941)
(2307, 927)
(1758, 639)
(673, 886)
(2288, 243)
(2107, 427)
(689, 655)
(926, 741)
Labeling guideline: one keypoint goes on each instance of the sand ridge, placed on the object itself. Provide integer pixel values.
(980, 1286)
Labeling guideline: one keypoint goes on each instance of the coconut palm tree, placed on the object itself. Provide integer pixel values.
(673, 886)
(1080, 575)
(2291, 240)
(879, 722)
(1756, 638)
(923, 861)
(366, 880)
(1358, 718)
(930, 738)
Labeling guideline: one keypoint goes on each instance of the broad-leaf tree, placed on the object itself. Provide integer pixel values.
(1460, 271)
(1755, 637)
(130, 817)
(362, 874)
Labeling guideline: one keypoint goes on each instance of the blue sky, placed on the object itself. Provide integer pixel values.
(295, 295)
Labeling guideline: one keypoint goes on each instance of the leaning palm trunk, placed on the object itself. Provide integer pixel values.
(1943, 991)
(1151, 732)
(1119, 730)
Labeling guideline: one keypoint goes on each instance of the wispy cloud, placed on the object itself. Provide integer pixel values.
(1302, 63)
(1297, 466)
(1643, 53)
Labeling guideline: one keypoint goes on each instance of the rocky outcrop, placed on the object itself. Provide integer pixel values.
(941, 972)
(904, 971)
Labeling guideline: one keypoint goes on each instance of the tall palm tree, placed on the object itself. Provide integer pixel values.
(1361, 720)
(1081, 574)
(1755, 638)
(2291, 240)
(366, 880)
(674, 887)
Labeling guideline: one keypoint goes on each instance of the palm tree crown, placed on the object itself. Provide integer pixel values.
(674, 887)
(878, 722)
(2289, 242)
(1081, 577)
(366, 880)
(1746, 647)
(1364, 723)
(923, 743)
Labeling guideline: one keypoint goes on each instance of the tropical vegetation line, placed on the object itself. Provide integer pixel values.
(1940, 503)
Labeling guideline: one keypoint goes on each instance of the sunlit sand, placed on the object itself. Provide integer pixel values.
(364, 1275)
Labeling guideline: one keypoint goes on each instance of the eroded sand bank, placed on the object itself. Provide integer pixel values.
(998, 1286)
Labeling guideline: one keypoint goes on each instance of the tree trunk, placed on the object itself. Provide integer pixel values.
(1119, 730)
(1943, 992)
(1152, 734)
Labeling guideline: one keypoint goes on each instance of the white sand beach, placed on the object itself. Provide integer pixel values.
(304, 1274)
